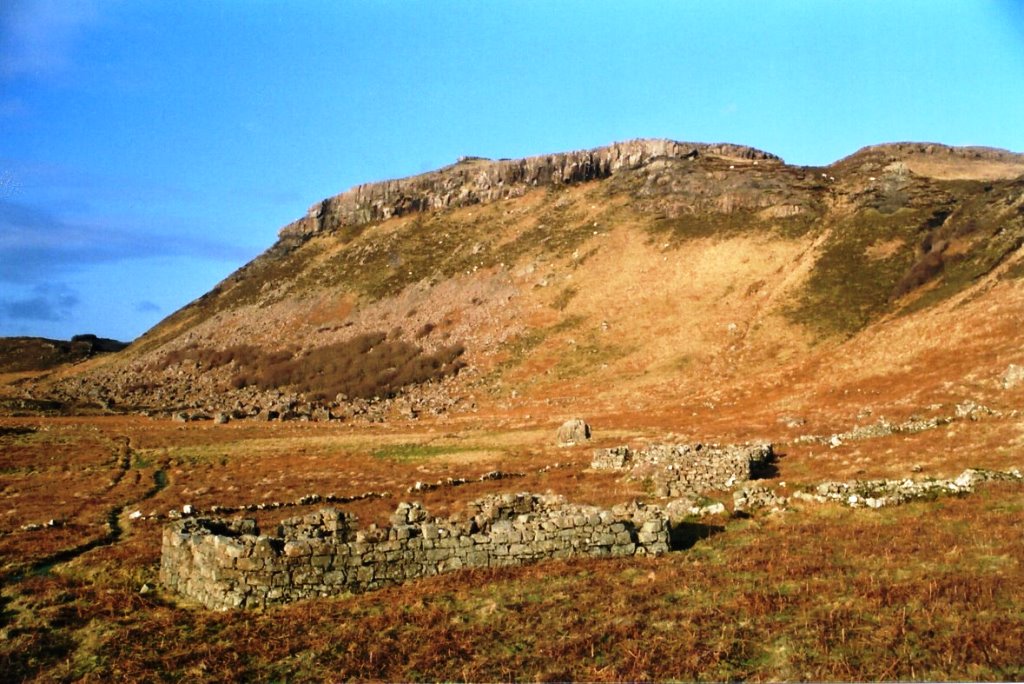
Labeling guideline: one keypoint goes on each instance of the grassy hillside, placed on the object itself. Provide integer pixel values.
(864, 318)
(674, 271)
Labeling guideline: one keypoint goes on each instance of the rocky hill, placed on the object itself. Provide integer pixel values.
(627, 275)
(19, 354)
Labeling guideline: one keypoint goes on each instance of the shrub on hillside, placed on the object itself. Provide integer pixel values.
(366, 366)
(926, 268)
(240, 355)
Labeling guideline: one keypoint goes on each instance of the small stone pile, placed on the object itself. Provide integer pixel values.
(972, 410)
(459, 481)
(229, 564)
(682, 470)
(750, 498)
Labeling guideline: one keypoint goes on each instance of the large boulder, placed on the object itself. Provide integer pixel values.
(572, 432)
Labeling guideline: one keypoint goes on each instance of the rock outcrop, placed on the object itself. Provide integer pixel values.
(476, 181)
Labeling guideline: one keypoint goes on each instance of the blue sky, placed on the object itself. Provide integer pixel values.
(148, 149)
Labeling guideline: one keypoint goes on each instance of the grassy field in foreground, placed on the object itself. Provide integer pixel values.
(931, 590)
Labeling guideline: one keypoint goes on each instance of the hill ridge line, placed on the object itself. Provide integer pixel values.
(475, 180)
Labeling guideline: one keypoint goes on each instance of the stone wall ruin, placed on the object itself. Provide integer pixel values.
(683, 470)
(230, 564)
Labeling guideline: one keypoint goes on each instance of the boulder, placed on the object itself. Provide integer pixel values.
(1013, 376)
(572, 432)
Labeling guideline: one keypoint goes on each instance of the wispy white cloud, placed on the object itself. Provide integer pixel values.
(45, 302)
(37, 245)
(38, 37)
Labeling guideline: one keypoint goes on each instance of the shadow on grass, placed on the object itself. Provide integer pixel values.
(16, 430)
(684, 535)
(6, 614)
(765, 470)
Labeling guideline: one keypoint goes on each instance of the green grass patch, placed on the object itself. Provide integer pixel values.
(415, 452)
(583, 359)
(679, 229)
(141, 460)
(848, 288)
(959, 273)
(520, 347)
(564, 297)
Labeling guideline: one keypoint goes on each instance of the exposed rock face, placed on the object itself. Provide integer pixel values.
(573, 432)
(476, 181)
(683, 470)
(230, 564)
(1013, 376)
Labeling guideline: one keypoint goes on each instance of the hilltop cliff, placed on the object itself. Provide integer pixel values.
(473, 180)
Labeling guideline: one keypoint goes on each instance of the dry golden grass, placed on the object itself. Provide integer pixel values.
(927, 591)
(953, 169)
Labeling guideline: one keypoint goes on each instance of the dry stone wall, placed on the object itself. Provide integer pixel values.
(881, 493)
(230, 564)
(680, 470)
(872, 493)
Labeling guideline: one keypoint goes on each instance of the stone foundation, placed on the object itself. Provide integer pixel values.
(679, 470)
(229, 564)
(881, 493)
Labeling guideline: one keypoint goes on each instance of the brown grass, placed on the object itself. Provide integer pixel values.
(926, 591)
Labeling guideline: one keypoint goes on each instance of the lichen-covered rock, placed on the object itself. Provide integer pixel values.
(614, 458)
(573, 432)
(972, 410)
(1013, 376)
(751, 498)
